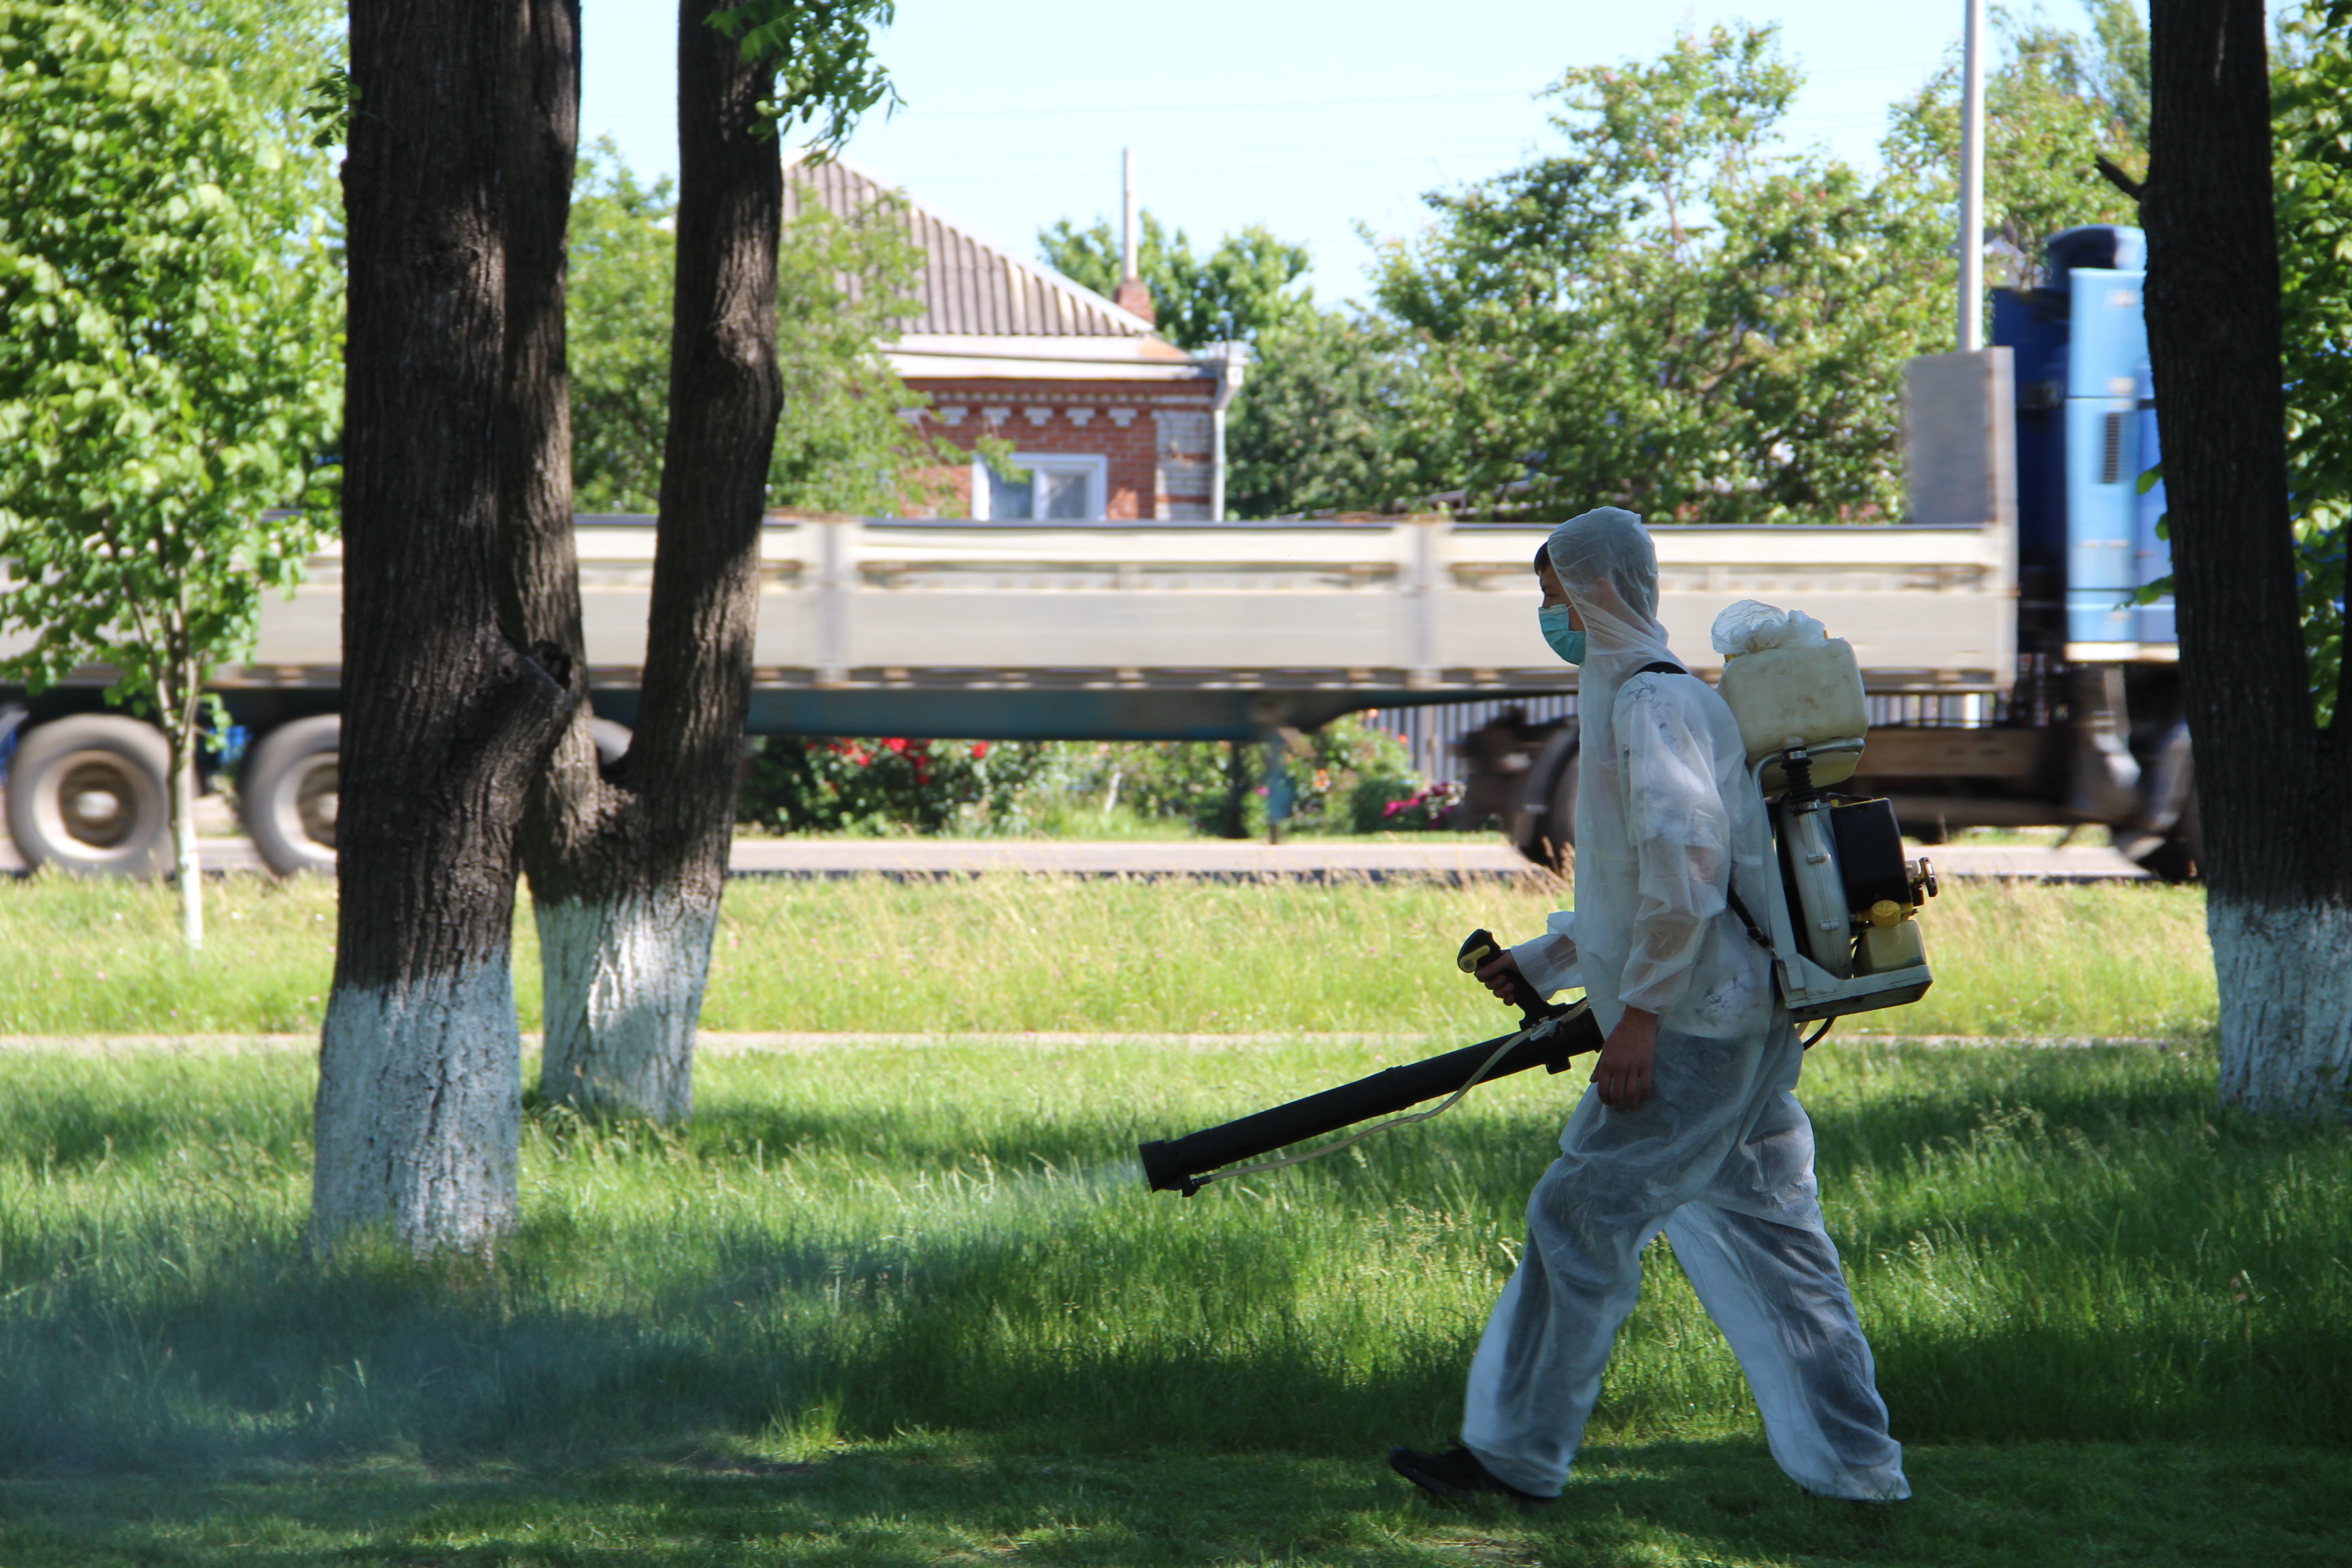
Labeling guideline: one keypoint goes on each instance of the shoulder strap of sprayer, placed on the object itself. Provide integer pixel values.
(1731, 895)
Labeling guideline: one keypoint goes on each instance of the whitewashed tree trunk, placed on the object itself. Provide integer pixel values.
(2275, 789)
(627, 863)
(420, 1112)
(2285, 977)
(624, 981)
(446, 721)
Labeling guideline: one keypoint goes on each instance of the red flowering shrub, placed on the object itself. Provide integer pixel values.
(805, 784)
(1347, 777)
(1424, 808)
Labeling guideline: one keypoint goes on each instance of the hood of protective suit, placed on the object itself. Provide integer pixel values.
(1609, 570)
(1664, 810)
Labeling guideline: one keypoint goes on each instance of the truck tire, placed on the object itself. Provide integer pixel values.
(88, 794)
(1544, 830)
(2179, 856)
(613, 739)
(288, 795)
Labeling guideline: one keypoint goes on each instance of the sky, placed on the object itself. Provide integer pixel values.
(1308, 116)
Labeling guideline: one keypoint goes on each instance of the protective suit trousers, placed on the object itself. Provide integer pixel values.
(1721, 1159)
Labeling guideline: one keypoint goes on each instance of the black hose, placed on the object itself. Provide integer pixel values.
(1176, 1164)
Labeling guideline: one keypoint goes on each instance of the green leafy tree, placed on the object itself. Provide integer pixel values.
(2118, 64)
(1674, 314)
(2311, 89)
(842, 285)
(1320, 424)
(2056, 103)
(169, 347)
(1248, 284)
(624, 248)
(845, 443)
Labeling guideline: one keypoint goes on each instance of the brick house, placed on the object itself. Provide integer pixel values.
(1109, 419)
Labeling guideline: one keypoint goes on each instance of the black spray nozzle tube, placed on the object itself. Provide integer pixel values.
(1176, 1164)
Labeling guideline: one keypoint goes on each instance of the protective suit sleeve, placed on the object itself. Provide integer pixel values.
(1681, 832)
(1550, 962)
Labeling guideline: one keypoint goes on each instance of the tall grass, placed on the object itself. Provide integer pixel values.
(862, 1240)
(1015, 954)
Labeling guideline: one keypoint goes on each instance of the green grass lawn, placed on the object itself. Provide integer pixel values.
(908, 1302)
(1010, 954)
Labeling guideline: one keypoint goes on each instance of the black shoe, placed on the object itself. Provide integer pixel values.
(1457, 1476)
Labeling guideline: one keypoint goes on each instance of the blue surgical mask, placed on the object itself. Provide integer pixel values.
(1565, 639)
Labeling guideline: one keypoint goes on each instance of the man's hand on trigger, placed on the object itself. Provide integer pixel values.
(1498, 972)
(1626, 1073)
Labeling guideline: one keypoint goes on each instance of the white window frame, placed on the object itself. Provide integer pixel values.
(1094, 465)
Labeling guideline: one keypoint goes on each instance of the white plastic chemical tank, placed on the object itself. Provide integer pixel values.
(1790, 683)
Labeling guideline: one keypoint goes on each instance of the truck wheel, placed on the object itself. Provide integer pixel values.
(1544, 830)
(88, 794)
(612, 738)
(288, 795)
(2179, 856)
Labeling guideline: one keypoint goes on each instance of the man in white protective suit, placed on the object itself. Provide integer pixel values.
(1691, 1124)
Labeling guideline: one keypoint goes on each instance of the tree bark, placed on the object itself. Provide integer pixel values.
(628, 876)
(187, 870)
(179, 714)
(2274, 790)
(538, 579)
(446, 718)
(572, 809)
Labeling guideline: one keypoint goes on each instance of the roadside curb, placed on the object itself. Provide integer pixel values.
(787, 1043)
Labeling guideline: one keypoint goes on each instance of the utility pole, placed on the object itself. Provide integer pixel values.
(1126, 206)
(1132, 295)
(1971, 299)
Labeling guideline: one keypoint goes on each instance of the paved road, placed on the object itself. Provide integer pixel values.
(2076, 863)
(1442, 857)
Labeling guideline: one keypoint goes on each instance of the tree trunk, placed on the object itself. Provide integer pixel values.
(572, 809)
(446, 719)
(628, 879)
(179, 717)
(2274, 790)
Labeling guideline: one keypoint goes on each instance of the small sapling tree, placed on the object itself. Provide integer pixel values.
(169, 346)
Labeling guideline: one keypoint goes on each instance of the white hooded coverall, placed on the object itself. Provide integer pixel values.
(1721, 1156)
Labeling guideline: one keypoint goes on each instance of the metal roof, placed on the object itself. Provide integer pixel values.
(970, 289)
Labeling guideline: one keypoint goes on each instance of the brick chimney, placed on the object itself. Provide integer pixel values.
(1135, 296)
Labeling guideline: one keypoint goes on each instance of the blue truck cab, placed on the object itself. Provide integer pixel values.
(2095, 664)
(2085, 404)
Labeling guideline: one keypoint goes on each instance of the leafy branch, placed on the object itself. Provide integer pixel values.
(823, 52)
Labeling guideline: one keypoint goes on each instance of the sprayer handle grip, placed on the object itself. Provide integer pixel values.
(1479, 947)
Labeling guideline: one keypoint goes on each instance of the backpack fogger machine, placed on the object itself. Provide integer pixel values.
(1840, 920)
(1841, 923)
